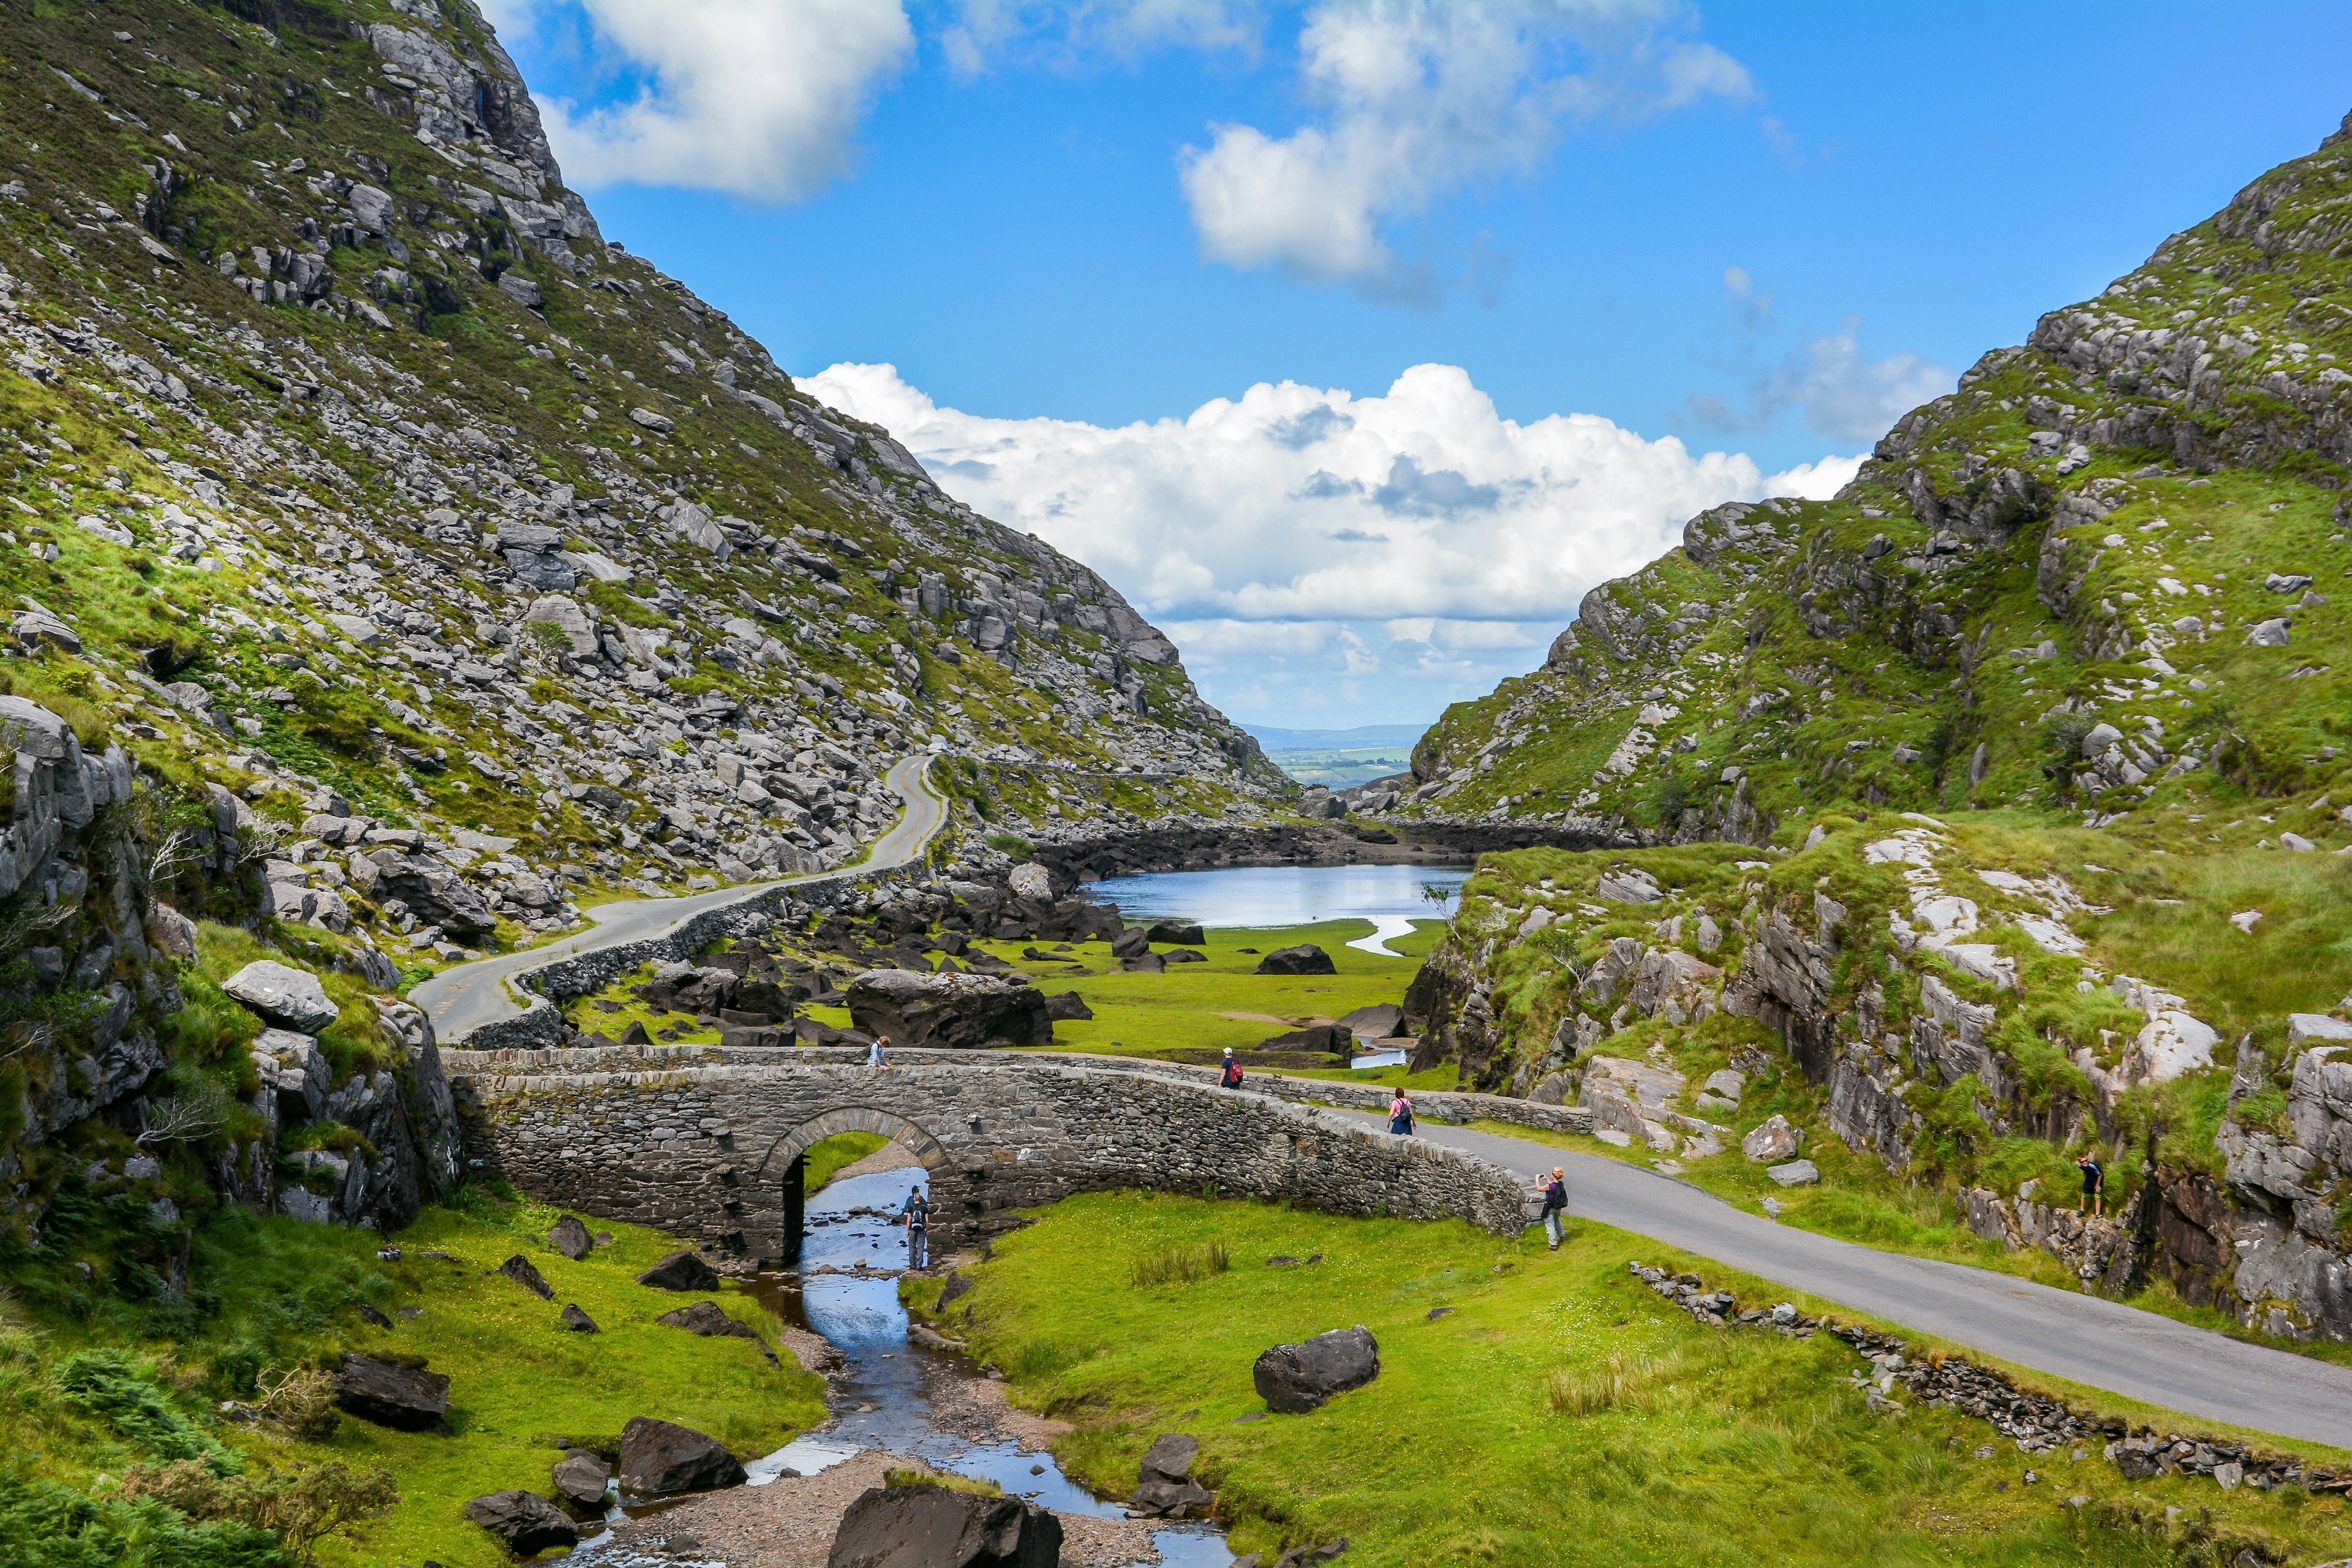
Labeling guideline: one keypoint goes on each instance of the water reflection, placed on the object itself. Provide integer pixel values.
(1271, 896)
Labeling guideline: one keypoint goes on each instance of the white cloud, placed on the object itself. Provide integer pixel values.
(1420, 98)
(1067, 33)
(756, 98)
(1313, 530)
(1843, 394)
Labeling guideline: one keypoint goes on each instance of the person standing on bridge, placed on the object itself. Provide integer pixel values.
(1230, 1074)
(917, 1215)
(1401, 1113)
(1555, 1208)
(2094, 1187)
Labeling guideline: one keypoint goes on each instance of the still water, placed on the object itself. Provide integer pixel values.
(1261, 896)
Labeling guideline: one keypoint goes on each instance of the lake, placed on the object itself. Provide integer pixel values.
(1270, 896)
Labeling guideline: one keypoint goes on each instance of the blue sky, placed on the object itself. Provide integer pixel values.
(1148, 276)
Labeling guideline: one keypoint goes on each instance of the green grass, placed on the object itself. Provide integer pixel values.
(273, 1294)
(828, 1157)
(1558, 1414)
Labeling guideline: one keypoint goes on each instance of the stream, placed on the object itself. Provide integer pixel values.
(882, 1393)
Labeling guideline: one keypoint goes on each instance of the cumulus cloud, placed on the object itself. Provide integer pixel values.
(1419, 98)
(1415, 534)
(754, 98)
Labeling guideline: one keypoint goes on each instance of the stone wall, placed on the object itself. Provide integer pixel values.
(703, 1150)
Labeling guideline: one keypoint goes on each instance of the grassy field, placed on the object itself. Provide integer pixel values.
(276, 1294)
(1698, 1446)
(826, 1157)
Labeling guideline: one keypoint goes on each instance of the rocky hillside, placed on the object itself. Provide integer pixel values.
(1992, 812)
(355, 474)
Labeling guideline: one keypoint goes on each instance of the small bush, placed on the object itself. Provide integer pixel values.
(1011, 844)
(105, 1383)
(1182, 1265)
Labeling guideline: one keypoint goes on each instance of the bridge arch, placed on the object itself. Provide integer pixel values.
(785, 1160)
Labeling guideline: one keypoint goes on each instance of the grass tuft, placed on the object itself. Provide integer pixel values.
(1183, 1264)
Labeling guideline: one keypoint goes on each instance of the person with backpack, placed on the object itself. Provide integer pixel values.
(1230, 1074)
(1555, 1208)
(1400, 1114)
(2094, 1187)
(918, 1214)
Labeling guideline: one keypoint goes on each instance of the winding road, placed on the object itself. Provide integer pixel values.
(2085, 1339)
(471, 994)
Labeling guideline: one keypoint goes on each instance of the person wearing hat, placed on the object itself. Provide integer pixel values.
(1230, 1077)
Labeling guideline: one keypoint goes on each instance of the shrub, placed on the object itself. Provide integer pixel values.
(301, 1506)
(1011, 844)
(105, 1383)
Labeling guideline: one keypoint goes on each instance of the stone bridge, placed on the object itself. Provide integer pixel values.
(711, 1150)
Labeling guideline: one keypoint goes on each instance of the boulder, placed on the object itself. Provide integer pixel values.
(1144, 964)
(708, 1319)
(519, 1269)
(681, 1270)
(1333, 1038)
(1380, 1021)
(1305, 958)
(295, 1070)
(1069, 1006)
(436, 895)
(1164, 1488)
(578, 1321)
(1131, 943)
(926, 1526)
(956, 1012)
(659, 1459)
(569, 1237)
(1631, 886)
(1180, 934)
(287, 997)
(1301, 1377)
(582, 1477)
(409, 1399)
(526, 1521)
(1773, 1139)
(1031, 880)
(1795, 1174)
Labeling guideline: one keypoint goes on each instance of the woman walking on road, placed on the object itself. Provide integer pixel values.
(1400, 1115)
(1555, 1208)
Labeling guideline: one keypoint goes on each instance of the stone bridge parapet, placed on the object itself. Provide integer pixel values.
(702, 1149)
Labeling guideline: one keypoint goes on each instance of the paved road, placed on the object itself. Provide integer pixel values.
(2085, 1338)
(475, 994)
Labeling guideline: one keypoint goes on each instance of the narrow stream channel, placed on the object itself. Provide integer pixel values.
(882, 1394)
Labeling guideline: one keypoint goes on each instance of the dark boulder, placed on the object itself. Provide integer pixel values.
(681, 1270)
(1144, 964)
(582, 1477)
(1178, 933)
(659, 1459)
(1184, 955)
(954, 1012)
(1078, 919)
(1069, 1006)
(1331, 1037)
(518, 1270)
(578, 1321)
(526, 1521)
(706, 1318)
(926, 1526)
(569, 1236)
(1132, 943)
(1296, 1378)
(408, 1398)
(1165, 1488)
(1305, 958)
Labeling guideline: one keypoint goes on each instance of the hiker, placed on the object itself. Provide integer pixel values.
(918, 1214)
(1400, 1114)
(1230, 1074)
(1555, 1208)
(2095, 1187)
(877, 1055)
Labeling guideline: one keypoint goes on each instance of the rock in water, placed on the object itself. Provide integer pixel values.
(570, 1238)
(1164, 1488)
(578, 1321)
(681, 1270)
(926, 1526)
(583, 1477)
(518, 1270)
(1305, 958)
(956, 1012)
(407, 1399)
(1296, 1378)
(289, 998)
(659, 1459)
(526, 1521)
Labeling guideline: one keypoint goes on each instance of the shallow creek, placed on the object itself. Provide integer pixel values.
(887, 1393)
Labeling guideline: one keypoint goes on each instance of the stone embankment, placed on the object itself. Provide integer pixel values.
(702, 1149)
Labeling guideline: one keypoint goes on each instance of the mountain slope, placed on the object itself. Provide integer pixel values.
(354, 473)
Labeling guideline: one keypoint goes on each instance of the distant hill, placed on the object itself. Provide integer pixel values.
(1361, 736)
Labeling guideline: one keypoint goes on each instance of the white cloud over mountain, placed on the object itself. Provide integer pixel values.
(1418, 99)
(1295, 534)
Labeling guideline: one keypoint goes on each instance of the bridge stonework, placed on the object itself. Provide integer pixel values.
(704, 1151)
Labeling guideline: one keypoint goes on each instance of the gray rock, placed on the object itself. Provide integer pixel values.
(2288, 581)
(660, 424)
(659, 1459)
(1164, 1488)
(2099, 738)
(2298, 843)
(293, 1068)
(290, 998)
(1729, 1083)
(1774, 1140)
(706, 1319)
(1380, 1021)
(2308, 1028)
(518, 1270)
(569, 1237)
(1303, 958)
(926, 1526)
(1795, 1174)
(681, 1270)
(1177, 932)
(521, 290)
(1301, 1377)
(408, 1399)
(1068, 1005)
(373, 207)
(1133, 942)
(582, 1477)
(957, 1012)
(526, 1521)
(578, 1321)
(1630, 886)
(2270, 633)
